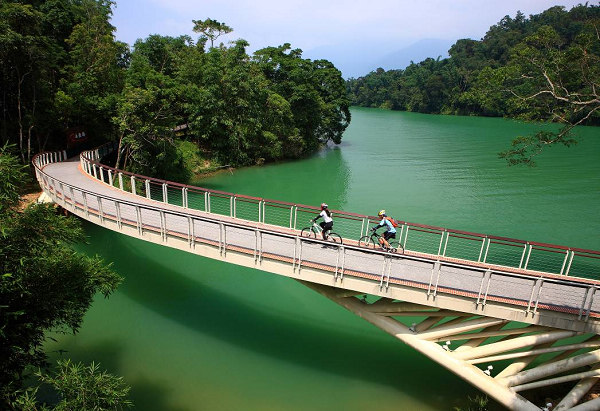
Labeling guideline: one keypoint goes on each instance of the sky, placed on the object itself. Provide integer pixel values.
(342, 30)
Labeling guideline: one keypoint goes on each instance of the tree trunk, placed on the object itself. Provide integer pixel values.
(119, 151)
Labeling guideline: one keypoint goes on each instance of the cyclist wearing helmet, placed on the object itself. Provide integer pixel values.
(390, 230)
(327, 223)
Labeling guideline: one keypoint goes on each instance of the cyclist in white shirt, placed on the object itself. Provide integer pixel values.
(327, 223)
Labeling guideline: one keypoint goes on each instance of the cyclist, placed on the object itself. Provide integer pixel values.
(327, 223)
(390, 231)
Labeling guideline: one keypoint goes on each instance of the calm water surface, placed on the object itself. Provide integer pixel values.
(190, 333)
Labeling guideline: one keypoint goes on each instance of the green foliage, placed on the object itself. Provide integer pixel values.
(545, 67)
(44, 284)
(211, 29)
(477, 403)
(60, 67)
(12, 175)
(83, 387)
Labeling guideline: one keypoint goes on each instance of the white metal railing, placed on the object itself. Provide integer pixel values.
(482, 249)
(262, 241)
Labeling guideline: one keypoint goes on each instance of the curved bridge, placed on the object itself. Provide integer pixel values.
(506, 315)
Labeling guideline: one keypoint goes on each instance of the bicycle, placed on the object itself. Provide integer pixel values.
(315, 229)
(372, 241)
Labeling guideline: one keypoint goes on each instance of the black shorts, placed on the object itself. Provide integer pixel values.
(326, 226)
(387, 235)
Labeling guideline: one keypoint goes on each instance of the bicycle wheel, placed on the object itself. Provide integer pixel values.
(334, 237)
(308, 232)
(366, 241)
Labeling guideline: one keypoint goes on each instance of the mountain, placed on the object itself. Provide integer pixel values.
(416, 52)
(355, 60)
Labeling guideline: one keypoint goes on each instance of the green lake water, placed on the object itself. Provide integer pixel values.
(189, 333)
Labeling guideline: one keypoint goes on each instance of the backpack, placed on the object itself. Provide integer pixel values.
(392, 221)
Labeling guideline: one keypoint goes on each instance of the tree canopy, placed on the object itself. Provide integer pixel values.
(544, 67)
(62, 68)
(44, 284)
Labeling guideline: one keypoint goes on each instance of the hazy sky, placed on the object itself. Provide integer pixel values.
(312, 23)
(325, 26)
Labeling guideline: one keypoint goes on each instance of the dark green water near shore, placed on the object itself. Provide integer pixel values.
(194, 334)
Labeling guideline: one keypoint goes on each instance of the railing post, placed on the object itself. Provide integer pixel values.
(343, 263)
(523, 255)
(564, 262)
(589, 308)
(110, 177)
(163, 226)
(441, 242)
(296, 239)
(120, 181)
(133, 188)
(537, 285)
(446, 245)
(184, 197)
(101, 174)
(94, 171)
(138, 215)
(481, 249)
(165, 193)
(221, 238)
(295, 216)
(85, 205)
(570, 262)
(487, 248)
(148, 194)
(73, 203)
(118, 209)
(486, 276)
(291, 216)
(405, 243)
(528, 255)
(100, 214)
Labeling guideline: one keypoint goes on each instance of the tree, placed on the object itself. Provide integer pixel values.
(95, 75)
(548, 79)
(211, 29)
(79, 387)
(44, 284)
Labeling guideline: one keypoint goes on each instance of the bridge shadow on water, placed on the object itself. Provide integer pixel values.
(151, 281)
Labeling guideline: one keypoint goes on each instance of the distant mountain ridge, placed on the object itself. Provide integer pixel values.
(356, 60)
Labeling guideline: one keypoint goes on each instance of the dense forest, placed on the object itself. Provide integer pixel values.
(545, 67)
(171, 102)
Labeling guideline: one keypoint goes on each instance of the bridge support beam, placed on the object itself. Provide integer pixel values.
(473, 333)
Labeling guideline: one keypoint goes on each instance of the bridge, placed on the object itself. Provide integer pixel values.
(504, 314)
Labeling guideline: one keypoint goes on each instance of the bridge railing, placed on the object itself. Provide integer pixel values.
(442, 242)
(529, 292)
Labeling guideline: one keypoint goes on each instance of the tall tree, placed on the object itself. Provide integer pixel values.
(211, 29)
(548, 79)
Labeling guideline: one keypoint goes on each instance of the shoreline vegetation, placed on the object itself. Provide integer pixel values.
(65, 74)
(545, 67)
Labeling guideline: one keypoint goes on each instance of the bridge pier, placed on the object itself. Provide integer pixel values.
(506, 385)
